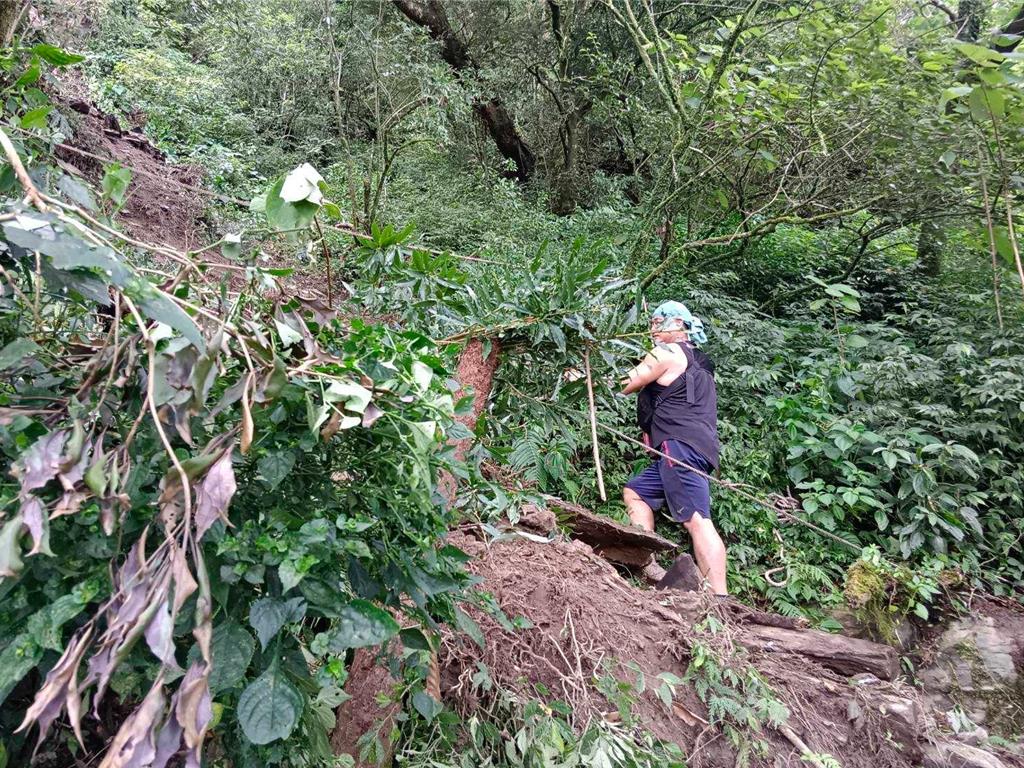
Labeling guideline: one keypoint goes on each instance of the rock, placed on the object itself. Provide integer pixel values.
(975, 737)
(949, 754)
(902, 719)
(682, 575)
(538, 519)
(864, 678)
(903, 636)
(974, 668)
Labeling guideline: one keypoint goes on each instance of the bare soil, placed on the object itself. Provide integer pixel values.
(160, 208)
(588, 622)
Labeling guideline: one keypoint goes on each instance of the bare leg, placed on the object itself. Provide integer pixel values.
(710, 551)
(639, 512)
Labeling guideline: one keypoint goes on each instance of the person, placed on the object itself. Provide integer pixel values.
(677, 409)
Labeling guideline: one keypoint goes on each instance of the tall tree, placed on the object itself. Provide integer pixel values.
(496, 118)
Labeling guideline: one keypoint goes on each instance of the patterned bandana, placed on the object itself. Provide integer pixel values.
(674, 316)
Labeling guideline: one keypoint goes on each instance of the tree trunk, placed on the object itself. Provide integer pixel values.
(929, 248)
(970, 16)
(493, 114)
(1015, 27)
(10, 11)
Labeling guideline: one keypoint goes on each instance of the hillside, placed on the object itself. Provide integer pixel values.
(314, 318)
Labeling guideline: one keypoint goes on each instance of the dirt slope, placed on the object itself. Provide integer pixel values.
(163, 205)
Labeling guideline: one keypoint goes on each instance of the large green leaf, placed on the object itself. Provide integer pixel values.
(58, 57)
(269, 707)
(269, 614)
(361, 624)
(17, 351)
(275, 467)
(157, 305)
(66, 250)
(44, 631)
(16, 661)
(284, 215)
(232, 648)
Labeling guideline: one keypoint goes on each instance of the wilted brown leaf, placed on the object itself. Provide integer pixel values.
(34, 514)
(134, 745)
(214, 493)
(41, 462)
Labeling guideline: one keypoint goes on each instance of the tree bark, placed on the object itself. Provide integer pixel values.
(492, 112)
(845, 655)
(10, 12)
(1015, 27)
(970, 15)
(929, 247)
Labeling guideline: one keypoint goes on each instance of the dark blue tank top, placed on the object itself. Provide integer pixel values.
(685, 410)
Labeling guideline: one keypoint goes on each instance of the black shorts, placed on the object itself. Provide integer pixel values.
(685, 491)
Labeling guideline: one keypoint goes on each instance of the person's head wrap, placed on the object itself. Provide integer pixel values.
(674, 316)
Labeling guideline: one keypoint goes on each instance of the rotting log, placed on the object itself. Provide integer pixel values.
(845, 655)
(621, 544)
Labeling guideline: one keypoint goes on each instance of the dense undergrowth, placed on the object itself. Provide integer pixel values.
(884, 395)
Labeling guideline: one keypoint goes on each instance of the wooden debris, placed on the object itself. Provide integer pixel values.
(845, 655)
(625, 545)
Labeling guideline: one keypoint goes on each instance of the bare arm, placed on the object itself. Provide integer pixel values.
(649, 370)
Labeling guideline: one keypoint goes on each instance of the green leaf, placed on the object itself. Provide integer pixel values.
(361, 624)
(36, 118)
(290, 574)
(30, 75)
(76, 192)
(232, 245)
(115, 183)
(18, 659)
(275, 467)
(470, 627)
(66, 251)
(426, 705)
(302, 183)
(269, 614)
(58, 57)
(979, 54)
(10, 548)
(921, 610)
(1004, 246)
(415, 640)
(269, 707)
(986, 104)
(232, 648)
(850, 304)
(288, 215)
(157, 305)
(664, 692)
(17, 351)
(288, 334)
(881, 519)
(950, 94)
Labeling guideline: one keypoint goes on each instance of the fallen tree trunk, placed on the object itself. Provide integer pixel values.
(845, 655)
(623, 544)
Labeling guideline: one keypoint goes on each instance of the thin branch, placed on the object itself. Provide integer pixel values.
(19, 171)
(945, 9)
(593, 426)
(764, 228)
